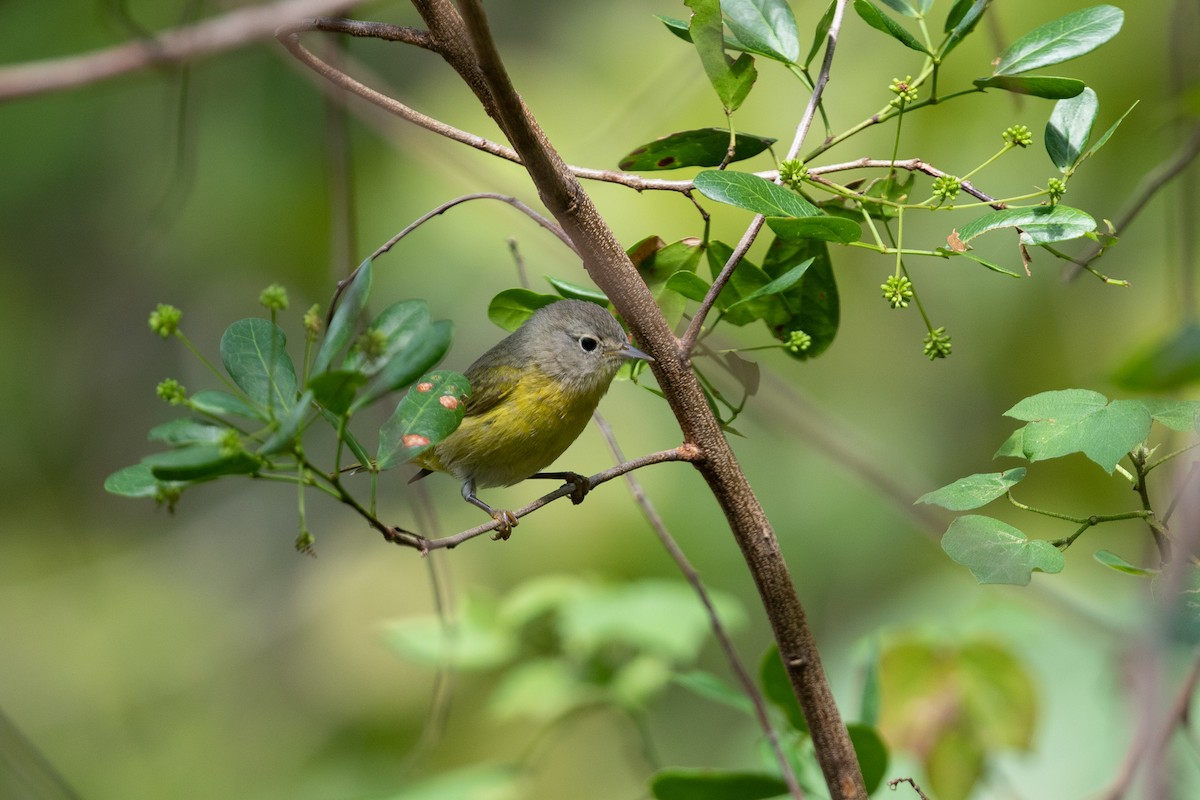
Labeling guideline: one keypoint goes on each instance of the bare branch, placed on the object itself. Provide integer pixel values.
(224, 32)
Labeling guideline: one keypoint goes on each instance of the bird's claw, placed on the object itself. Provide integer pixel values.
(508, 520)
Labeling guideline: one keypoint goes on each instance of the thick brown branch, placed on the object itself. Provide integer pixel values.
(174, 46)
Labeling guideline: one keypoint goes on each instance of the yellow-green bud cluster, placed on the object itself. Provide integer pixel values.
(897, 290)
(937, 344)
(172, 391)
(904, 90)
(946, 187)
(164, 320)
(274, 297)
(1018, 135)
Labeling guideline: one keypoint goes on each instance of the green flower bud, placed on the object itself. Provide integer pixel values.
(792, 173)
(274, 297)
(1018, 135)
(172, 391)
(164, 320)
(797, 341)
(937, 344)
(372, 343)
(946, 187)
(897, 290)
(312, 320)
(1056, 188)
(904, 90)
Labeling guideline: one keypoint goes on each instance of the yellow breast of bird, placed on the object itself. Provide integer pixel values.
(522, 434)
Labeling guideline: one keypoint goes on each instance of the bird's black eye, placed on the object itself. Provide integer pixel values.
(588, 343)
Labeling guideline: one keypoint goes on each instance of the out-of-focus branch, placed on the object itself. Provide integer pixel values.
(224, 32)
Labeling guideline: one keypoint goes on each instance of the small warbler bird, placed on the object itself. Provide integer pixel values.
(531, 396)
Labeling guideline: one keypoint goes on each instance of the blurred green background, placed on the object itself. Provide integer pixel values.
(196, 655)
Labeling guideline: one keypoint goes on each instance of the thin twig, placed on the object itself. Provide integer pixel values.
(692, 334)
(224, 32)
(693, 577)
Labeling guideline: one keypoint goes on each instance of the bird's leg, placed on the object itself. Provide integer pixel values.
(580, 485)
(507, 519)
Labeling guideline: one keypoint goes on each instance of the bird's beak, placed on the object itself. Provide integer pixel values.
(630, 352)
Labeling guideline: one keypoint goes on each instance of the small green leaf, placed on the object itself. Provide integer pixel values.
(656, 262)
(704, 147)
(974, 491)
(747, 280)
(1070, 127)
(1091, 151)
(872, 754)
(335, 389)
(426, 348)
(777, 688)
(341, 327)
(574, 291)
(880, 21)
(753, 193)
(903, 6)
(777, 286)
(212, 401)
(1166, 365)
(826, 228)
(135, 481)
(1013, 446)
(961, 20)
(1081, 421)
(813, 306)
(996, 552)
(1045, 86)
(1039, 224)
(200, 462)
(731, 78)
(1178, 415)
(1115, 562)
(1065, 38)
(711, 784)
(764, 27)
(429, 412)
(255, 355)
(186, 431)
(821, 31)
(689, 284)
(289, 425)
(972, 257)
(512, 307)
(396, 326)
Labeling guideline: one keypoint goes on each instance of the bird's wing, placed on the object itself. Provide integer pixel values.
(490, 385)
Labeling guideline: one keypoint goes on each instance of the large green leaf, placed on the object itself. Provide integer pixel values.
(512, 307)
(429, 412)
(180, 432)
(711, 784)
(200, 462)
(1045, 86)
(255, 355)
(731, 78)
(1178, 415)
(703, 147)
(873, 16)
(656, 261)
(689, 284)
(334, 390)
(1039, 224)
(394, 329)
(996, 552)
(135, 481)
(1081, 421)
(1070, 127)
(214, 401)
(287, 427)
(974, 491)
(573, 291)
(753, 193)
(764, 27)
(813, 306)
(826, 228)
(426, 348)
(341, 327)
(1065, 38)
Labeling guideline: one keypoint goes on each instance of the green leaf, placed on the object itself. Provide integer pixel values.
(429, 412)
(1065, 38)
(745, 284)
(1037, 85)
(764, 27)
(1166, 365)
(186, 431)
(872, 754)
(473, 642)
(574, 291)
(974, 491)
(813, 305)
(880, 21)
(821, 31)
(1115, 562)
(711, 784)
(972, 257)
(212, 401)
(1013, 446)
(1081, 421)
(396, 326)
(781, 284)
(710, 687)
(731, 78)
(777, 688)
(427, 347)
(680, 29)
(1039, 224)
(961, 21)
(1091, 151)
(996, 552)
(903, 6)
(689, 284)
(289, 425)
(657, 262)
(826, 228)
(703, 147)
(512, 307)
(255, 355)
(135, 481)
(335, 389)
(753, 193)
(1070, 127)
(1178, 415)
(341, 327)
(200, 462)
